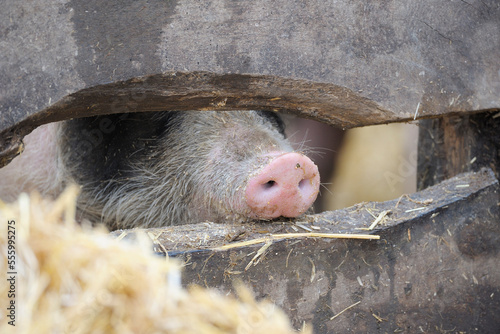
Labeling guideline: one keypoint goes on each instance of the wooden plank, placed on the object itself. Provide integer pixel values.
(457, 144)
(346, 63)
(435, 267)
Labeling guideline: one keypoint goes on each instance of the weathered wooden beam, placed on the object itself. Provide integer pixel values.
(347, 63)
(436, 266)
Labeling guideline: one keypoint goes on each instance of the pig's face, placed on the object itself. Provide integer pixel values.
(169, 168)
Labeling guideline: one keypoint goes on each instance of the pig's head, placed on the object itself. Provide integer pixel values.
(169, 168)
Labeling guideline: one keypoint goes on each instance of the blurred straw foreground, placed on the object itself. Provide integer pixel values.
(77, 279)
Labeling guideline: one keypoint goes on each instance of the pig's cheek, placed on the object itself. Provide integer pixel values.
(215, 200)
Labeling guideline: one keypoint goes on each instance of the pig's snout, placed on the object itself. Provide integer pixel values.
(287, 187)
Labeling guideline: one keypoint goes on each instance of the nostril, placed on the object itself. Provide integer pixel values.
(303, 183)
(269, 184)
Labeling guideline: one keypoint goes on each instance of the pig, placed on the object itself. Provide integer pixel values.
(154, 169)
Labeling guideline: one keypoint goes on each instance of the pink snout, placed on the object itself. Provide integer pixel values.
(287, 187)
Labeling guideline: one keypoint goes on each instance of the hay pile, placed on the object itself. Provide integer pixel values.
(75, 279)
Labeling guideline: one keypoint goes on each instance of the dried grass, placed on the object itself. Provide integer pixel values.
(77, 279)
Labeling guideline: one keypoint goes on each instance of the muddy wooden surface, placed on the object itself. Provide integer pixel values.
(346, 63)
(435, 268)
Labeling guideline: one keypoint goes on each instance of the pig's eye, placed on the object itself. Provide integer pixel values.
(275, 120)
